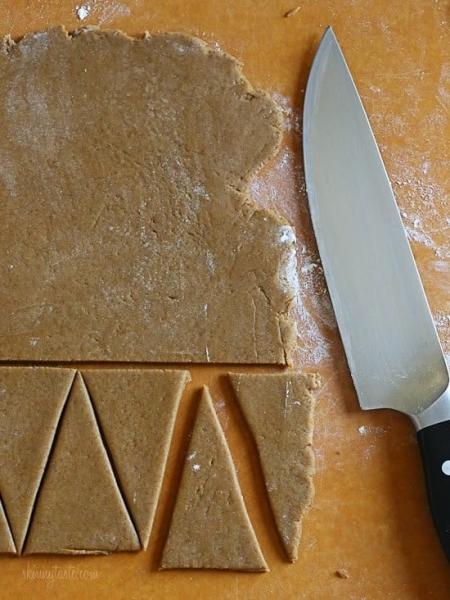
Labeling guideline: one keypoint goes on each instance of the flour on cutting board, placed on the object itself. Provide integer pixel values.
(417, 177)
(422, 201)
(83, 11)
(281, 187)
(423, 205)
(367, 430)
(101, 12)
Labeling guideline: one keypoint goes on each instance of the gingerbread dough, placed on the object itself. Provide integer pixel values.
(79, 508)
(279, 411)
(31, 401)
(127, 230)
(136, 410)
(6, 541)
(210, 526)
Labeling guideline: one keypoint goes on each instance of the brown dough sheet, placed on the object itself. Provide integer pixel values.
(127, 230)
(279, 409)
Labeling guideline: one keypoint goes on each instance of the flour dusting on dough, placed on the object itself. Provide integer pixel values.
(281, 188)
(160, 241)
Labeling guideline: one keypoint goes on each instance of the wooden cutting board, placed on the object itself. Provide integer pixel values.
(369, 519)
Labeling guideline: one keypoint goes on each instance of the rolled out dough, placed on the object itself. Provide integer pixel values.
(127, 230)
(279, 411)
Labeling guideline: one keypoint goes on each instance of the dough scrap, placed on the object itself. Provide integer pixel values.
(210, 526)
(31, 401)
(79, 509)
(127, 230)
(6, 541)
(136, 410)
(279, 411)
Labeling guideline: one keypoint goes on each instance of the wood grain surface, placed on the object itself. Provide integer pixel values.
(369, 519)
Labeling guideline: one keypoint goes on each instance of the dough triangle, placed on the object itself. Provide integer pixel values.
(79, 507)
(210, 526)
(31, 401)
(279, 411)
(6, 541)
(136, 410)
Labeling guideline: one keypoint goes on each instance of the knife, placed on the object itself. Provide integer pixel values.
(384, 320)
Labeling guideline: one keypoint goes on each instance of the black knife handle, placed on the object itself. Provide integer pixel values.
(434, 443)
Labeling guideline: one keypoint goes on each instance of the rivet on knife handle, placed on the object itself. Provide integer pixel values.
(387, 330)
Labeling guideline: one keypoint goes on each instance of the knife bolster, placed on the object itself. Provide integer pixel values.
(438, 412)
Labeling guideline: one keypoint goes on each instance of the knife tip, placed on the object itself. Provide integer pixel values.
(329, 34)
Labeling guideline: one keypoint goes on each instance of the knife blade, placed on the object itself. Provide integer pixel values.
(389, 337)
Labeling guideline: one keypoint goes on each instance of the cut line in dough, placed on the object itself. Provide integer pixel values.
(79, 509)
(279, 410)
(136, 410)
(6, 540)
(31, 401)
